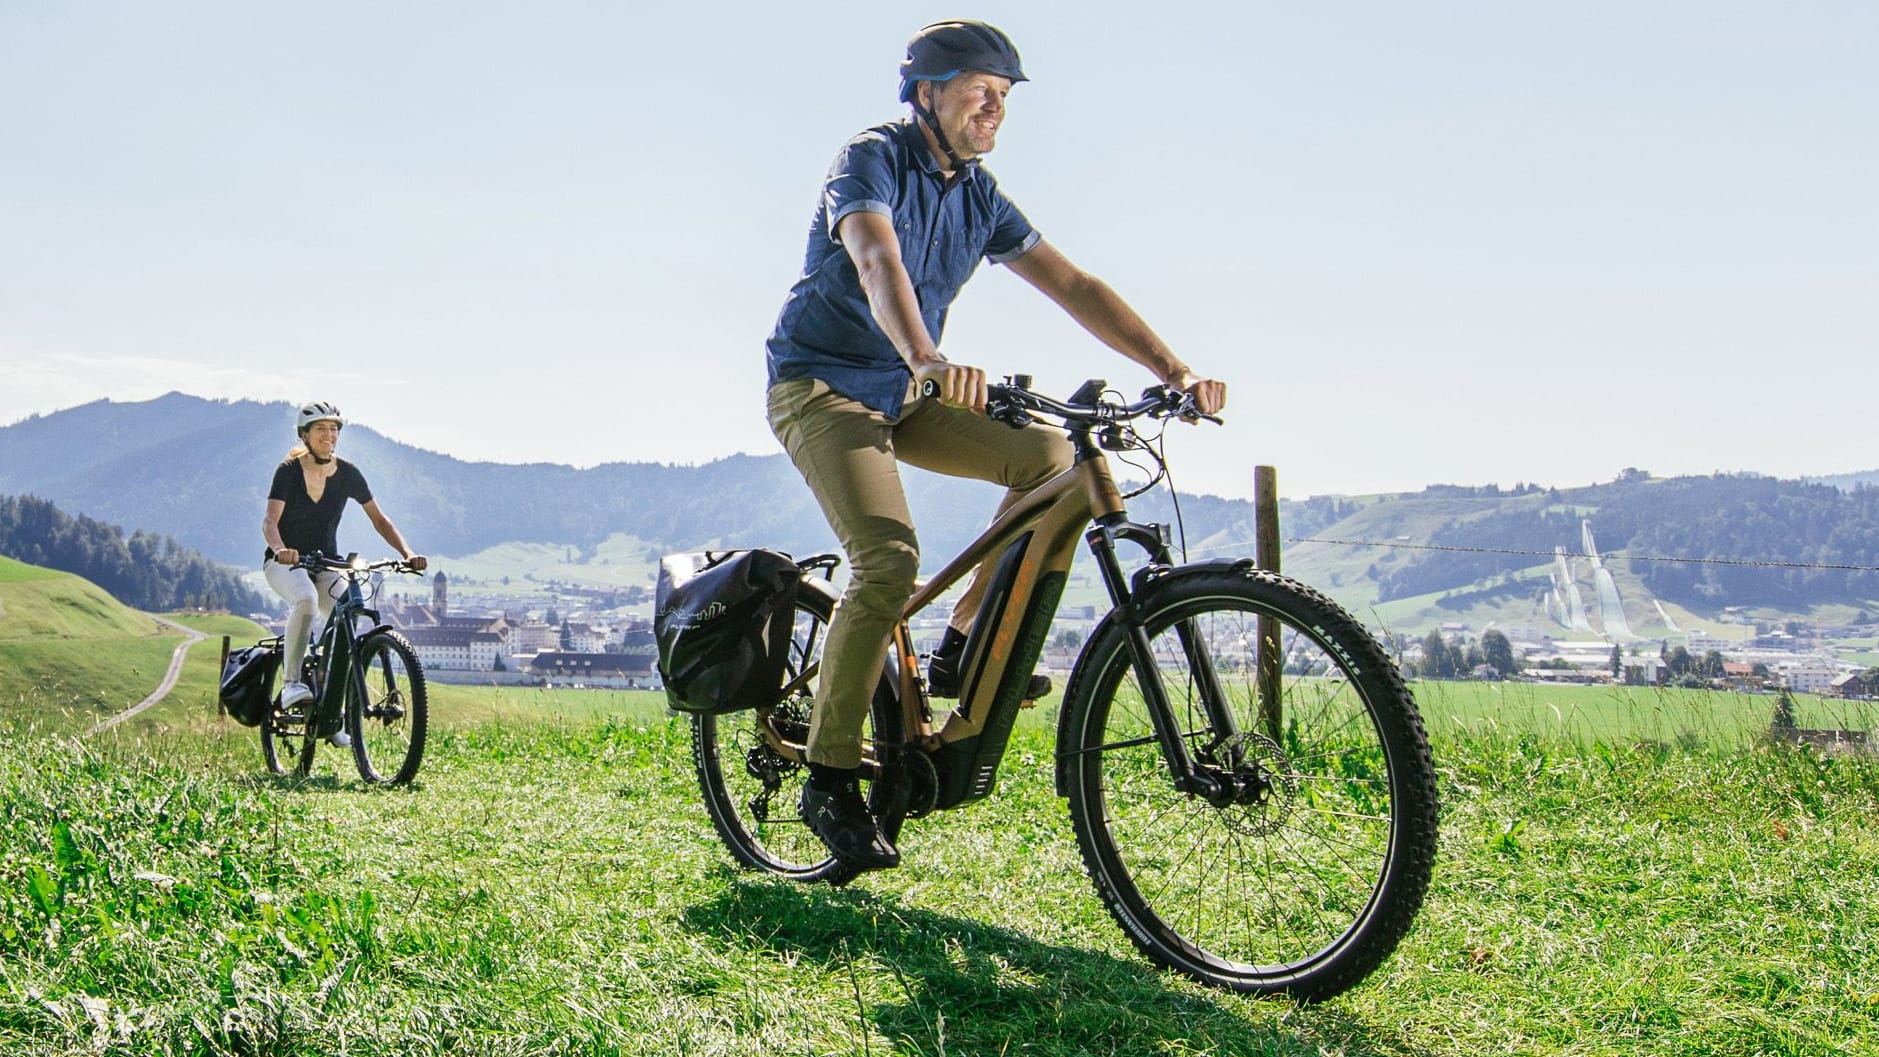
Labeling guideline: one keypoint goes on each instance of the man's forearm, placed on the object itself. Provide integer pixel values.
(1103, 312)
(897, 311)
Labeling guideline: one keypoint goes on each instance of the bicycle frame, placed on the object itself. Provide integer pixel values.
(1027, 552)
(338, 645)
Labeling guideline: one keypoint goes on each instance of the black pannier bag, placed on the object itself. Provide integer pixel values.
(248, 682)
(723, 624)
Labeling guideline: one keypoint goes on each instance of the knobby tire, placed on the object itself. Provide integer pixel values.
(387, 709)
(1309, 879)
(753, 793)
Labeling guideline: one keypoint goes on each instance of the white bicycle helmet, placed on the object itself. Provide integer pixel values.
(317, 411)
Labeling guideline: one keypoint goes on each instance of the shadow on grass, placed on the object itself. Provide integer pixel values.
(969, 987)
(293, 783)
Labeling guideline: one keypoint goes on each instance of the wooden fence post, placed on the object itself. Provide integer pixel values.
(1269, 657)
(220, 708)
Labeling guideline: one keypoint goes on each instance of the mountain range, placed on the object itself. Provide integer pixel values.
(198, 469)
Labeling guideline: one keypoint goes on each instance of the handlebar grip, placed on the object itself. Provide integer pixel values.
(929, 388)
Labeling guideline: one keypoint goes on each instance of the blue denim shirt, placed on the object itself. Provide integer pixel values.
(826, 330)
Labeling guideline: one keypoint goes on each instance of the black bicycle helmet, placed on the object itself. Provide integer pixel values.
(944, 50)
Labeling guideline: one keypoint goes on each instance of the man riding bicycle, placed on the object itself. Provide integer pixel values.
(907, 212)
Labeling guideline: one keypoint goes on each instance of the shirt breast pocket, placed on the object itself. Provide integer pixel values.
(953, 256)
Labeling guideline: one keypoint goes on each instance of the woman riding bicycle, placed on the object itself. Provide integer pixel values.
(304, 505)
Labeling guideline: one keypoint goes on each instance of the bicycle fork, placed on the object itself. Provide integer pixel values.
(1220, 782)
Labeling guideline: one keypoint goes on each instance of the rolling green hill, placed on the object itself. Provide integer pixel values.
(38, 603)
(71, 655)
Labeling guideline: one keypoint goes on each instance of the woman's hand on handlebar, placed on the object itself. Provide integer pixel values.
(953, 383)
(287, 556)
(417, 562)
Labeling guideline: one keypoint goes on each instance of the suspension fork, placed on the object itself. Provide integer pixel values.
(1168, 733)
(1200, 666)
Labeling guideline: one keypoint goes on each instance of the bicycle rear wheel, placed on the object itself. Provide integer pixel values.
(753, 792)
(278, 731)
(388, 723)
(1308, 866)
(284, 742)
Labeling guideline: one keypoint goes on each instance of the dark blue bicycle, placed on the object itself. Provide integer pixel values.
(366, 681)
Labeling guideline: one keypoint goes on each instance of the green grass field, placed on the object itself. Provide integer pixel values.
(1623, 871)
(552, 885)
(1625, 714)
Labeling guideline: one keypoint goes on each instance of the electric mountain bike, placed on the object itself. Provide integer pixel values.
(1247, 775)
(366, 681)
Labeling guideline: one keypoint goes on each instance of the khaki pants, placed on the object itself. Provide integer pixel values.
(848, 454)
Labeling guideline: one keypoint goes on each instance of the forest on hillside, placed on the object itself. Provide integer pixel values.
(142, 570)
(1761, 541)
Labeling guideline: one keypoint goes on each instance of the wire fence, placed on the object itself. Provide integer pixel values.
(1602, 556)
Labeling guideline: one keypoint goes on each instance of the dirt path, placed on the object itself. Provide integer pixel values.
(169, 677)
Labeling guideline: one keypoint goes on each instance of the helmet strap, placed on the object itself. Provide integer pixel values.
(317, 461)
(931, 118)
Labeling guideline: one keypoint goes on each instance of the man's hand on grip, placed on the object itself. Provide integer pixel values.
(953, 383)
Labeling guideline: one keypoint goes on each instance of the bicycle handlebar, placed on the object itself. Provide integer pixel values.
(1013, 402)
(315, 561)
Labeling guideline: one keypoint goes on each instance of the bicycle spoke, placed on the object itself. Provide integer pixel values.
(389, 712)
(751, 789)
(1272, 877)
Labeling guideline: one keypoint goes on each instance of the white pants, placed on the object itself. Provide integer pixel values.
(306, 596)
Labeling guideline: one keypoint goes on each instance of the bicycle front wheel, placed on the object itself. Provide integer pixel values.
(753, 792)
(388, 711)
(1303, 864)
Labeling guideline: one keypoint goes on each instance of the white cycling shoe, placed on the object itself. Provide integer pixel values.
(295, 693)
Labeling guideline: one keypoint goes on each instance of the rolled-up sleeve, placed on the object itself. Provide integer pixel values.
(1012, 233)
(861, 180)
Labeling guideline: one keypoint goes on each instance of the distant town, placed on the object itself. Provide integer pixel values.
(1794, 656)
(602, 638)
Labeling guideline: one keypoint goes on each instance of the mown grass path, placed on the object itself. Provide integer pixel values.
(190, 637)
(555, 888)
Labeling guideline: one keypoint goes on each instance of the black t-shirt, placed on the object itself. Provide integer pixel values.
(309, 526)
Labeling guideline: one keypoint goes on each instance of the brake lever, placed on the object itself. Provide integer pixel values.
(1180, 404)
(1009, 412)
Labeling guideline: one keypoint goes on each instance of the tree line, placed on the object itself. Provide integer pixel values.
(142, 570)
(1491, 656)
(1798, 529)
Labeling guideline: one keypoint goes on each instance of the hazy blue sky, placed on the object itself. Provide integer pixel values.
(1456, 242)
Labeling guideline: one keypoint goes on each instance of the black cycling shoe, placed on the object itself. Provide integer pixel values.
(942, 678)
(844, 823)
